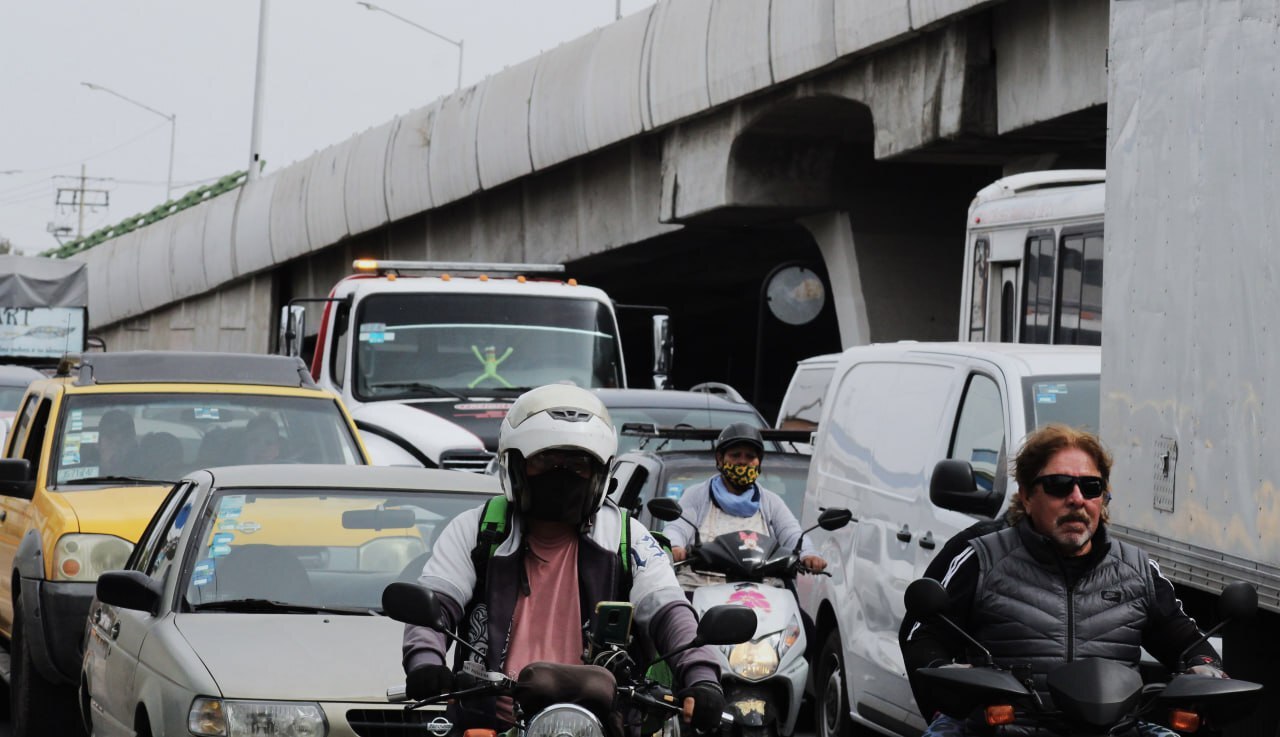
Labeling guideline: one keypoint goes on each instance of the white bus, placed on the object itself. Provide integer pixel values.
(1033, 255)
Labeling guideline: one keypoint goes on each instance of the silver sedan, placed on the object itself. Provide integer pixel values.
(252, 604)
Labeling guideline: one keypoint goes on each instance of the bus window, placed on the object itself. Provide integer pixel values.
(978, 313)
(1037, 290)
(1080, 287)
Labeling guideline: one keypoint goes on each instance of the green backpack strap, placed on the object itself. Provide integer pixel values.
(489, 535)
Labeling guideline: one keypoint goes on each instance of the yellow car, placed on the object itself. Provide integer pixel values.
(93, 451)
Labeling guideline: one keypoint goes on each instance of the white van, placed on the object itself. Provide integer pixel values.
(891, 413)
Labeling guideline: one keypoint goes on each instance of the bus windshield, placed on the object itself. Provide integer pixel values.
(441, 345)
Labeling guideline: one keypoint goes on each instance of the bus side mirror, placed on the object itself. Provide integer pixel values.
(663, 350)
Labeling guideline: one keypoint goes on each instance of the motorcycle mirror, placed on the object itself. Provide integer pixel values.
(834, 519)
(1239, 601)
(925, 598)
(667, 510)
(727, 624)
(412, 604)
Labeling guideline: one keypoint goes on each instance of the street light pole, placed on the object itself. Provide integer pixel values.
(403, 19)
(255, 131)
(173, 129)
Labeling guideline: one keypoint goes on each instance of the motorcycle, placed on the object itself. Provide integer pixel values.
(763, 678)
(1089, 697)
(609, 695)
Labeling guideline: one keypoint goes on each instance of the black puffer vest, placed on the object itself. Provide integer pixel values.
(1024, 612)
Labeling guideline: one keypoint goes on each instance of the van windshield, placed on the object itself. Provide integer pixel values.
(1068, 400)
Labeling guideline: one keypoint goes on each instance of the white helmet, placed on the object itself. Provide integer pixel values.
(559, 416)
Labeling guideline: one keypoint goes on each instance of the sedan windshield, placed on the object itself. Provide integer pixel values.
(446, 345)
(312, 551)
(110, 438)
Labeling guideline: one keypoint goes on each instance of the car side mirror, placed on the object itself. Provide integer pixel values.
(130, 590)
(16, 478)
(953, 486)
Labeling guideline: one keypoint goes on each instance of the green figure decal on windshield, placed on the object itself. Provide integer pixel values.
(490, 361)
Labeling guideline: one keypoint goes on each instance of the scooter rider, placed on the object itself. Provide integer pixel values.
(733, 500)
(1054, 586)
(561, 557)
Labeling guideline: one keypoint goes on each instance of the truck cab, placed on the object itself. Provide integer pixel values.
(428, 357)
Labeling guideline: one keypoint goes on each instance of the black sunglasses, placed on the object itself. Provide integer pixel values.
(1061, 485)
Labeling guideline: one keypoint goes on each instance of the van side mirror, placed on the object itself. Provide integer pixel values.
(953, 486)
(16, 478)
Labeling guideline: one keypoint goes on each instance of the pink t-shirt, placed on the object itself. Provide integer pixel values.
(547, 625)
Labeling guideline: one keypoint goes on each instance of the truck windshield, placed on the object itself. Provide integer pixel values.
(104, 438)
(442, 345)
(1067, 400)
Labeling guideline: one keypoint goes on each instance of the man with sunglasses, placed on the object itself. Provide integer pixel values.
(1054, 586)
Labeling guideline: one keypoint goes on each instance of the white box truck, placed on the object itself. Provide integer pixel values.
(1191, 359)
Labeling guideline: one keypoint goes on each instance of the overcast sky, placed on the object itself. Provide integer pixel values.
(333, 69)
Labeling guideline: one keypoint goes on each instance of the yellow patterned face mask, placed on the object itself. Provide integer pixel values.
(740, 474)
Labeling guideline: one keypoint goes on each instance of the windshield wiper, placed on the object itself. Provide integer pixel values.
(270, 606)
(118, 479)
(422, 386)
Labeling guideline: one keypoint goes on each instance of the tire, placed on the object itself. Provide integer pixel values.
(37, 708)
(831, 700)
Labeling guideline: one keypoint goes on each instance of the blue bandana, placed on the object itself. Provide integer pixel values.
(739, 505)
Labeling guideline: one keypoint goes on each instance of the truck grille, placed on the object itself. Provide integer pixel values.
(398, 723)
(466, 460)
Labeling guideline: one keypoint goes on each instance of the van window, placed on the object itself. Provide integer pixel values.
(979, 436)
(978, 313)
(1069, 400)
(802, 406)
(883, 418)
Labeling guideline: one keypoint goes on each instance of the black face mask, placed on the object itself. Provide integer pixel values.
(559, 495)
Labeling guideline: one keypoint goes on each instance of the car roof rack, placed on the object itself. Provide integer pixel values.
(135, 367)
(651, 430)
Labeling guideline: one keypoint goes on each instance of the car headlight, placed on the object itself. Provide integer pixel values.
(564, 720)
(231, 718)
(755, 659)
(80, 557)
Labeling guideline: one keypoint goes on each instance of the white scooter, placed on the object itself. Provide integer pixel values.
(763, 678)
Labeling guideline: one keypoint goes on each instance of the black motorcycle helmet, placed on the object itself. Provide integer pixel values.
(739, 433)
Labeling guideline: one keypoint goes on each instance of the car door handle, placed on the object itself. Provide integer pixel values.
(115, 630)
(4, 515)
(927, 542)
(905, 534)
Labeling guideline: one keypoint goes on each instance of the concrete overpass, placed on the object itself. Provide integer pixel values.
(672, 157)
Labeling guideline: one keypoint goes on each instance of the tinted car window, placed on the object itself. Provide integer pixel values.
(1070, 400)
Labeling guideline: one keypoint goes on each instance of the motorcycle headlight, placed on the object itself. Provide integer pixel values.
(755, 659)
(564, 720)
(230, 718)
(79, 557)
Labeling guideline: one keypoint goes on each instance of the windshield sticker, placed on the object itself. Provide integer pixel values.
(249, 528)
(373, 327)
(1051, 388)
(70, 456)
(77, 415)
(205, 413)
(204, 568)
(77, 424)
(231, 503)
(1046, 398)
(225, 524)
(223, 538)
(674, 491)
(89, 437)
(72, 474)
(218, 551)
(382, 337)
(201, 580)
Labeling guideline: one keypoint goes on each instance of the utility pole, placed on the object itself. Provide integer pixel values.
(78, 197)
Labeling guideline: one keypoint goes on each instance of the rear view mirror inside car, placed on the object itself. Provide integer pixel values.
(377, 519)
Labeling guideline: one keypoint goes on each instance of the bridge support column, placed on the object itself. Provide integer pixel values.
(834, 234)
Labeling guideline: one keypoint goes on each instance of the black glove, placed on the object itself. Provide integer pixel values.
(708, 704)
(426, 681)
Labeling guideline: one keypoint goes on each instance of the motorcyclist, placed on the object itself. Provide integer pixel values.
(561, 557)
(1055, 583)
(731, 501)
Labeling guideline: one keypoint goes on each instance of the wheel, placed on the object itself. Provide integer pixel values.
(831, 700)
(37, 708)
